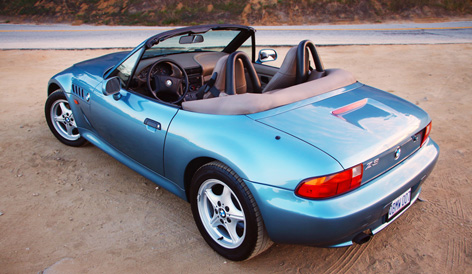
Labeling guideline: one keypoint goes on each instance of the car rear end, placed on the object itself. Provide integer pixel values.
(382, 143)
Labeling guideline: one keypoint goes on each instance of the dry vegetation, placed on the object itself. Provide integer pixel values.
(254, 12)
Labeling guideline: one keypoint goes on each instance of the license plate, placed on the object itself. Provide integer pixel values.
(399, 203)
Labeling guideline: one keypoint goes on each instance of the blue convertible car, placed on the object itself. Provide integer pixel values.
(294, 154)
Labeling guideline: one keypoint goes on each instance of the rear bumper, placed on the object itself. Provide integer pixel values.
(336, 221)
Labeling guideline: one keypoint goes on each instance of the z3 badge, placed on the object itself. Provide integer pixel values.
(371, 164)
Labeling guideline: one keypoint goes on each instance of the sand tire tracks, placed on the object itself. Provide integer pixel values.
(348, 259)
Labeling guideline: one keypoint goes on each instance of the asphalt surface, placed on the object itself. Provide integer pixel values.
(61, 36)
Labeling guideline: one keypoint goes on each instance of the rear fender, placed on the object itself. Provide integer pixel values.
(256, 152)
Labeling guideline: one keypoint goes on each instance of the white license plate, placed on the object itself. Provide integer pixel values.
(399, 203)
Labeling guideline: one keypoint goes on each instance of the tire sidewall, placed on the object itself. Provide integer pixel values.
(52, 98)
(246, 248)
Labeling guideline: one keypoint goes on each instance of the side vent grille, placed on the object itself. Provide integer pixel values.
(78, 91)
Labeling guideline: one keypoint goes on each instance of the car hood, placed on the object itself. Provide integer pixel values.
(98, 66)
(361, 125)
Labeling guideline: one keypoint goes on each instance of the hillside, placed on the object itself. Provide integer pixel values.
(253, 12)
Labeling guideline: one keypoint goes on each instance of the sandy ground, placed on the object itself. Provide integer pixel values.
(77, 210)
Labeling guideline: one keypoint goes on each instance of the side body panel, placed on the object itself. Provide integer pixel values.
(255, 151)
(134, 165)
(134, 125)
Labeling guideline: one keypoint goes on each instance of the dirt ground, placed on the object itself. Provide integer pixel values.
(77, 210)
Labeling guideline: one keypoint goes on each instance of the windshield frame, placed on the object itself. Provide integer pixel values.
(246, 32)
(216, 40)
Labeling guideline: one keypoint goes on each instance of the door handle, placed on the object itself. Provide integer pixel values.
(151, 123)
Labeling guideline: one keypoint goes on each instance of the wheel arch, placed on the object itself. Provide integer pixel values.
(59, 82)
(190, 170)
(53, 87)
(62, 80)
(256, 239)
(61, 120)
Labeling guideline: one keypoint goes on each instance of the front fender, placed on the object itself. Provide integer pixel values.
(256, 152)
(77, 86)
(62, 80)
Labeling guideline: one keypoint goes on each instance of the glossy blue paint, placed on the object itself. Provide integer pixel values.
(136, 166)
(248, 147)
(273, 151)
(98, 66)
(361, 134)
(294, 220)
(121, 124)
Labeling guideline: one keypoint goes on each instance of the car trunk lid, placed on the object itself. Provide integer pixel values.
(363, 125)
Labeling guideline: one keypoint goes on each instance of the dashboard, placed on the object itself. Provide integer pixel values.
(198, 66)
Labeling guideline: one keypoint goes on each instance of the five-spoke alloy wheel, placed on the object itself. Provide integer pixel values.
(221, 213)
(226, 213)
(61, 120)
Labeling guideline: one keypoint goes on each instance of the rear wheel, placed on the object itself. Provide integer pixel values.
(226, 213)
(61, 120)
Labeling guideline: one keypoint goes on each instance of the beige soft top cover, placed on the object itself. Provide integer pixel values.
(249, 103)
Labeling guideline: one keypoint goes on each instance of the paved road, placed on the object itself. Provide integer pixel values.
(86, 36)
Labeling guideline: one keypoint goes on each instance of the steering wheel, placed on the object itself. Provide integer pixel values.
(302, 60)
(167, 88)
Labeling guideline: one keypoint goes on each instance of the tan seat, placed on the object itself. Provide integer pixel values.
(287, 74)
(295, 68)
(232, 74)
(240, 78)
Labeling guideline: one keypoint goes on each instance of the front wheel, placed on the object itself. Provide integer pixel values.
(226, 213)
(61, 120)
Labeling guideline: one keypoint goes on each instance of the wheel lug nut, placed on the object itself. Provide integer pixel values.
(227, 208)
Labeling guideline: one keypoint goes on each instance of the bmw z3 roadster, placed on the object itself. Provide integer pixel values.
(294, 154)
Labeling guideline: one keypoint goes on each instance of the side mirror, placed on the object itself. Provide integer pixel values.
(266, 55)
(111, 86)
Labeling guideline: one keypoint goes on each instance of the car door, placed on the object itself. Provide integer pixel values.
(133, 124)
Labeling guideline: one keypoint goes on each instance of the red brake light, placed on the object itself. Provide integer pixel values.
(426, 133)
(331, 185)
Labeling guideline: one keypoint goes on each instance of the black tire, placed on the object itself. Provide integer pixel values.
(235, 230)
(61, 121)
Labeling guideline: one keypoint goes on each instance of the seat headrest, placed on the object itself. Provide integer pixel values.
(232, 74)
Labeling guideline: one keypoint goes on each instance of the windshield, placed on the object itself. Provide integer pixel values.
(213, 40)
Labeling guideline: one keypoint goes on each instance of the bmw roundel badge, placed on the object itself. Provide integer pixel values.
(398, 151)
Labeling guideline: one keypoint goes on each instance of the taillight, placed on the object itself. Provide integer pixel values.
(331, 185)
(426, 133)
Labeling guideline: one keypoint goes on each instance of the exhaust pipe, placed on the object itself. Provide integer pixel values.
(362, 238)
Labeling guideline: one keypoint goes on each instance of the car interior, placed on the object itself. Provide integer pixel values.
(207, 81)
